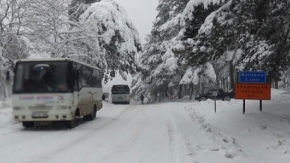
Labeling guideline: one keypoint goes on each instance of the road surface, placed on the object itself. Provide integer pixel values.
(120, 133)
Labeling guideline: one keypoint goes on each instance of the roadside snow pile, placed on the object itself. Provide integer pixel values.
(5, 114)
(5, 104)
(258, 136)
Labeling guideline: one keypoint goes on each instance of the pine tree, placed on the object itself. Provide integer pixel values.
(252, 27)
(161, 66)
(194, 17)
(274, 19)
(78, 7)
(199, 14)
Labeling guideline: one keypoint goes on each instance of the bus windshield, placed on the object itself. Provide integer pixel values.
(120, 89)
(41, 77)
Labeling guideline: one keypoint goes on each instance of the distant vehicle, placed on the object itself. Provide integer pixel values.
(120, 94)
(55, 90)
(221, 95)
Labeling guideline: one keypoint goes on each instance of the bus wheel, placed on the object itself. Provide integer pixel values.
(93, 115)
(71, 124)
(28, 124)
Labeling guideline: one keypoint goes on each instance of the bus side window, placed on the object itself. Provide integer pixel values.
(98, 78)
(85, 77)
(76, 76)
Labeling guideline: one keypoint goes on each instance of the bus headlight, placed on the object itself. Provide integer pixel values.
(18, 108)
(62, 107)
(128, 97)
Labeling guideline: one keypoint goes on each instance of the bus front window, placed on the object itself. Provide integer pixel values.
(41, 77)
(120, 90)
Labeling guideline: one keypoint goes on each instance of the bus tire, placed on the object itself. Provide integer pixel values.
(71, 124)
(93, 115)
(28, 124)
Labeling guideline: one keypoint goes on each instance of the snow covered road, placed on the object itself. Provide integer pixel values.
(173, 132)
(120, 133)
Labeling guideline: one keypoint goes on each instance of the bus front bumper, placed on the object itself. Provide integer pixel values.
(43, 115)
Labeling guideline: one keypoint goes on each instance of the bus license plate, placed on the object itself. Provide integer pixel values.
(39, 115)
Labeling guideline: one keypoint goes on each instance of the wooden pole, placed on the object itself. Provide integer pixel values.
(215, 104)
(244, 106)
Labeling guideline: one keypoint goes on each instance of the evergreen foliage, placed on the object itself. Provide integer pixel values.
(189, 39)
(160, 65)
(252, 26)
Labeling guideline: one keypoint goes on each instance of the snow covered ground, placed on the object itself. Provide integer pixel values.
(180, 131)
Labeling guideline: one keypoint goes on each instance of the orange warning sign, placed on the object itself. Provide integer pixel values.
(253, 91)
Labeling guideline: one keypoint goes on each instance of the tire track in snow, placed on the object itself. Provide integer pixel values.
(150, 142)
(178, 141)
(108, 144)
(131, 137)
(172, 139)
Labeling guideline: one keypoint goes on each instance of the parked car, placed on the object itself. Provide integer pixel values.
(221, 95)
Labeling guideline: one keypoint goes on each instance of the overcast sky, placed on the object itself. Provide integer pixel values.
(142, 13)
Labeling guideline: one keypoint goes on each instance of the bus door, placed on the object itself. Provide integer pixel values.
(75, 83)
(79, 95)
(86, 92)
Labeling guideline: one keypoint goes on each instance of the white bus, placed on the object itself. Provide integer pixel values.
(55, 90)
(120, 94)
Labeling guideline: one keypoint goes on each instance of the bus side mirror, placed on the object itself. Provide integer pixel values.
(7, 75)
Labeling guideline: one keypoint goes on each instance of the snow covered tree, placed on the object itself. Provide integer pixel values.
(117, 37)
(160, 65)
(13, 37)
(78, 7)
(247, 30)
(53, 32)
(273, 53)
(100, 35)
(39, 28)
(193, 18)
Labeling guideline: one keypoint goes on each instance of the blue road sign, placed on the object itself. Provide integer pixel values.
(252, 77)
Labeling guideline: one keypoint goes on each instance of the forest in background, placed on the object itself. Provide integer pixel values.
(193, 44)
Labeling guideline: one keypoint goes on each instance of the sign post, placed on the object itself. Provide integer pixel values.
(244, 106)
(252, 86)
(214, 93)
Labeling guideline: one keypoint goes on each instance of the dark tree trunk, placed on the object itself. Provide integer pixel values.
(191, 90)
(276, 84)
(232, 75)
(180, 92)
